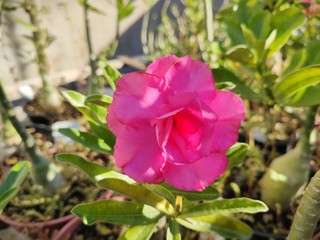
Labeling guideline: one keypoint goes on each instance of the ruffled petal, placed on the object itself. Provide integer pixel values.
(137, 96)
(138, 153)
(227, 105)
(195, 176)
(161, 65)
(187, 75)
(113, 123)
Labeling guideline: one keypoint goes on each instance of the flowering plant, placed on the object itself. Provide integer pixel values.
(172, 125)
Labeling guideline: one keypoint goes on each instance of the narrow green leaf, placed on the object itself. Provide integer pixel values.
(16, 176)
(225, 206)
(30, 26)
(222, 75)
(284, 22)
(240, 53)
(236, 154)
(173, 231)
(226, 226)
(91, 169)
(74, 98)
(11, 184)
(139, 232)
(102, 131)
(88, 140)
(90, 7)
(304, 98)
(138, 193)
(110, 211)
(91, 111)
(162, 191)
(296, 81)
(100, 100)
(210, 193)
(111, 75)
(6, 197)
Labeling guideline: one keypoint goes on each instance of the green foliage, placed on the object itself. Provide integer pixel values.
(11, 185)
(236, 154)
(296, 83)
(111, 211)
(90, 7)
(138, 232)
(226, 226)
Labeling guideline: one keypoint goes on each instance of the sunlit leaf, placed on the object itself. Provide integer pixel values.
(139, 232)
(284, 22)
(296, 81)
(225, 226)
(173, 232)
(138, 193)
(234, 205)
(12, 182)
(236, 154)
(111, 211)
(100, 100)
(88, 140)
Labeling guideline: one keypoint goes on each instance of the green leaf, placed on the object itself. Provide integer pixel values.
(139, 232)
(284, 22)
(91, 111)
(222, 75)
(88, 140)
(240, 53)
(260, 24)
(11, 184)
(138, 193)
(173, 231)
(95, 171)
(225, 206)
(118, 182)
(236, 154)
(210, 193)
(304, 98)
(111, 211)
(90, 7)
(296, 81)
(162, 191)
(30, 26)
(124, 9)
(225, 226)
(111, 75)
(102, 131)
(100, 100)
(74, 98)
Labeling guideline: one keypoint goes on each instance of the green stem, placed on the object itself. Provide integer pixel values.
(42, 168)
(39, 41)
(209, 20)
(308, 212)
(93, 79)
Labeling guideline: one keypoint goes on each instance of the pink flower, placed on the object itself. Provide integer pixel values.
(172, 125)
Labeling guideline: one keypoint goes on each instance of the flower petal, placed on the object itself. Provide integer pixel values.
(195, 176)
(161, 65)
(138, 153)
(187, 75)
(227, 105)
(138, 96)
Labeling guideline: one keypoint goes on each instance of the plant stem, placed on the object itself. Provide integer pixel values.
(39, 41)
(41, 166)
(209, 20)
(308, 212)
(93, 79)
